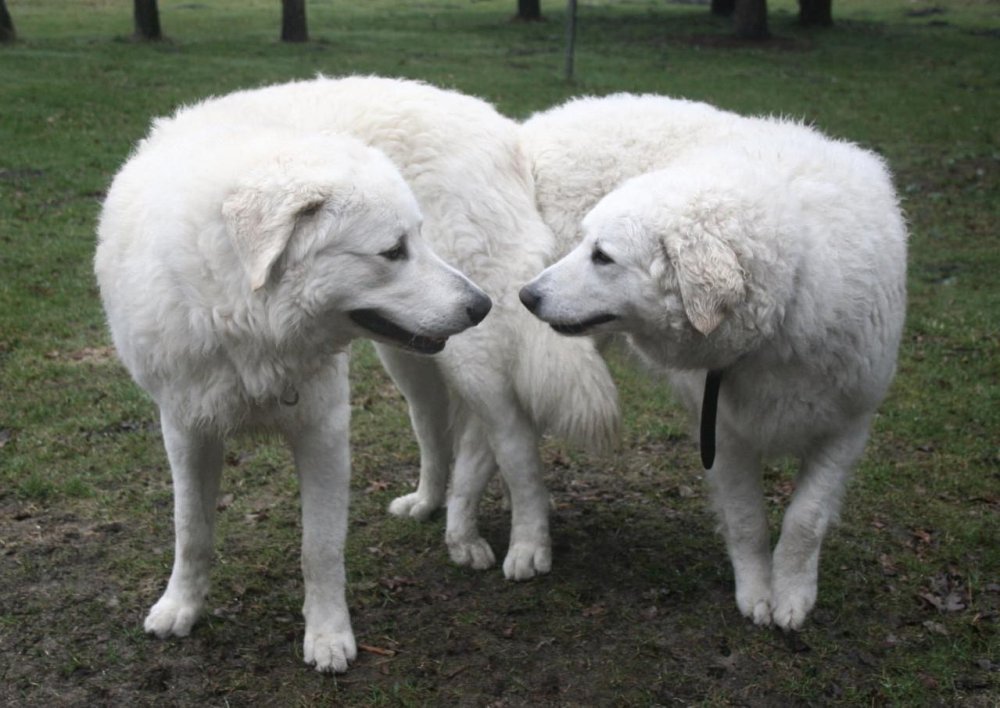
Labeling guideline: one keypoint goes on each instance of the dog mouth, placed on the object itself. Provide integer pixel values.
(581, 327)
(390, 331)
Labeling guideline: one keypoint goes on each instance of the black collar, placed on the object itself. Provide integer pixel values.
(709, 409)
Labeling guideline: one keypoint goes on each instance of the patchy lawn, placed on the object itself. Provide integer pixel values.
(639, 608)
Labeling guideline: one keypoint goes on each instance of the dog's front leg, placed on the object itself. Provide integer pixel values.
(196, 466)
(739, 502)
(814, 507)
(320, 445)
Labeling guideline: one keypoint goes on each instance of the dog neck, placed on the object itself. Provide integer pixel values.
(709, 411)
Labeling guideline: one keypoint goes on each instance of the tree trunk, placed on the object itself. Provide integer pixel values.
(723, 8)
(815, 13)
(293, 21)
(7, 33)
(530, 10)
(147, 20)
(751, 19)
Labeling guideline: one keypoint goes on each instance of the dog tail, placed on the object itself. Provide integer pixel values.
(567, 388)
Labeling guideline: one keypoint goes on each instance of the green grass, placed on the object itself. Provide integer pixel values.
(638, 609)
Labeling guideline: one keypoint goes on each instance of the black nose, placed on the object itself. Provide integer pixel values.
(479, 309)
(529, 298)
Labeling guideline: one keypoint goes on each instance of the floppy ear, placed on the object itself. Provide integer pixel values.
(710, 278)
(260, 220)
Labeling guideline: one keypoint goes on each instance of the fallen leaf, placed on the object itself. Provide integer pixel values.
(936, 628)
(396, 582)
(257, 515)
(928, 681)
(930, 599)
(888, 565)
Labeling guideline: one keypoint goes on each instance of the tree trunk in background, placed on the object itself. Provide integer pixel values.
(723, 8)
(751, 19)
(293, 21)
(147, 20)
(7, 33)
(529, 9)
(815, 13)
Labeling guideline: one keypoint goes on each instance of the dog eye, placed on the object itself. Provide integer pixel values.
(599, 257)
(396, 253)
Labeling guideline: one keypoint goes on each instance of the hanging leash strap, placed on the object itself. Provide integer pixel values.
(709, 411)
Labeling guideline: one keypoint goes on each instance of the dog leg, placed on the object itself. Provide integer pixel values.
(814, 507)
(739, 502)
(321, 449)
(515, 444)
(196, 466)
(474, 466)
(420, 381)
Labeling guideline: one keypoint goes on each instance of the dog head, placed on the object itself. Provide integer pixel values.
(655, 262)
(328, 231)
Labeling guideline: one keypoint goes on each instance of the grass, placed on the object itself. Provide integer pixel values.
(638, 609)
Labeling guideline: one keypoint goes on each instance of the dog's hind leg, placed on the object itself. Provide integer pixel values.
(814, 507)
(420, 381)
(475, 464)
(196, 467)
(514, 441)
(735, 481)
(320, 445)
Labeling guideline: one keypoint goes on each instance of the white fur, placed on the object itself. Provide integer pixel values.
(764, 250)
(482, 403)
(232, 252)
(486, 399)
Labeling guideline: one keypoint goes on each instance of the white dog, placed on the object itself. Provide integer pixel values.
(486, 399)
(236, 262)
(775, 258)
(483, 401)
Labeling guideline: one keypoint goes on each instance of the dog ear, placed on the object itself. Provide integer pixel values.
(710, 279)
(260, 221)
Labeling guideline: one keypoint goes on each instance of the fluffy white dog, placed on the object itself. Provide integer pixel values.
(236, 263)
(486, 399)
(482, 403)
(775, 259)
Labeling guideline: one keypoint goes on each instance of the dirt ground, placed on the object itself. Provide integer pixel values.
(637, 611)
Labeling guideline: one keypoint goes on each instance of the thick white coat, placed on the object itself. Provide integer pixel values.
(482, 404)
(231, 255)
(761, 248)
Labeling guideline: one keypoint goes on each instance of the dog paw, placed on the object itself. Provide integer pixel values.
(792, 606)
(475, 553)
(754, 601)
(413, 506)
(526, 560)
(171, 617)
(757, 610)
(330, 651)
